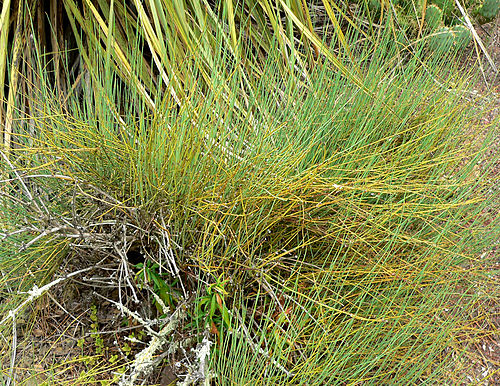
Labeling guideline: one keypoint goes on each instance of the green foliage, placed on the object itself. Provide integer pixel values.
(325, 212)
(463, 36)
(98, 340)
(256, 220)
(333, 200)
(211, 308)
(442, 40)
(449, 39)
(149, 274)
(489, 9)
(433, 17)
(443, 24)
(446, 6)
(374, 6)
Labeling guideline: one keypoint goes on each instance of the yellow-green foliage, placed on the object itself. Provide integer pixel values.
(463, 36)
(489, 9)
(449, 39)
(441, 40)
(320, 207)
(433, 17)
(447, 6)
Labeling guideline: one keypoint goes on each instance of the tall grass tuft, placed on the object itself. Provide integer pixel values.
(337, 219)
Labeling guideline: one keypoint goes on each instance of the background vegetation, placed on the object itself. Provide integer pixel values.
(275, 192)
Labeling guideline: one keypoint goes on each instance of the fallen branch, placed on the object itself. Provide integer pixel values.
(144, 360)
(37, 292)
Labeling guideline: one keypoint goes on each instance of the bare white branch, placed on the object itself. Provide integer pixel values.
(144, 360)
(37, 292)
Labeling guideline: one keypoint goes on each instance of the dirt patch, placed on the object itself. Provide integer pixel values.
(481, 362)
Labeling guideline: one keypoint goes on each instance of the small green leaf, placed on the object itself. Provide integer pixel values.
(213, 307)
(225, 316)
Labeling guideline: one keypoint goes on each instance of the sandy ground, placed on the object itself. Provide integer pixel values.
(482, 359)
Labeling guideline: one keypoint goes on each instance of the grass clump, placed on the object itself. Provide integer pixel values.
(318, 231)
